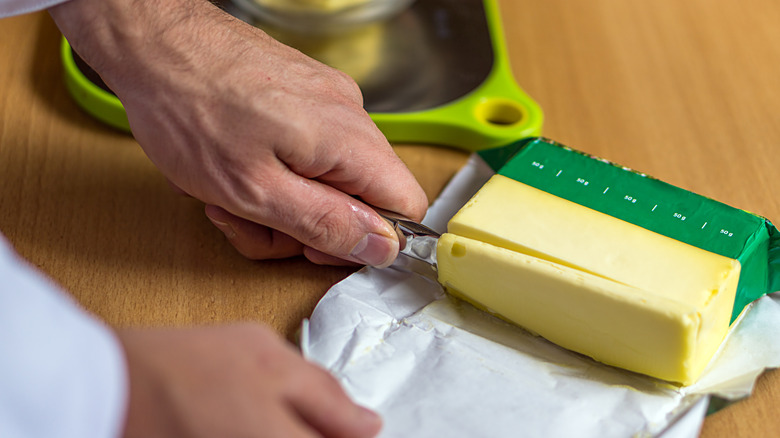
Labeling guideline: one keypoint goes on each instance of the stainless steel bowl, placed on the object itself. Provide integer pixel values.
(321, 16)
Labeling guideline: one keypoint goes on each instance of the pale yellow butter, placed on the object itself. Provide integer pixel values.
(311, 5)
(589, 282)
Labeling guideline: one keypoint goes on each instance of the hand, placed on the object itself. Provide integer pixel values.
(278, 144)
(232, 381)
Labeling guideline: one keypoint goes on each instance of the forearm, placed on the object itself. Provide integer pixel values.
(131, 42)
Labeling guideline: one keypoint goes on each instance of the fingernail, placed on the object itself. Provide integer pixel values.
(375, 250)
(224, 227)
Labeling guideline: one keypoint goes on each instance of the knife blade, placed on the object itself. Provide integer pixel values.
(417, 244)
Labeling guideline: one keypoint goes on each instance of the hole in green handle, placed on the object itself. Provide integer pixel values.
(500, 112)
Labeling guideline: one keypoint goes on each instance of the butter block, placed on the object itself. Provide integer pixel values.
(589, 282)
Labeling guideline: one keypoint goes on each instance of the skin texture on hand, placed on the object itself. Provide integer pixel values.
(232, 381)
(276, 144)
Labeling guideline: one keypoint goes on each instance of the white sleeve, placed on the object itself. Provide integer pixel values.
(62, 373)
(18, 7)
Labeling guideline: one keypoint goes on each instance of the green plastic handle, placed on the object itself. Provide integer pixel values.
(96, 101)
(494, 114)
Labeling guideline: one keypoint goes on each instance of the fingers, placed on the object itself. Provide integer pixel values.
(323, 218)
(252, 240)
(286, 424)
(358, 160)
(239, 380)
(314, 397)
(378, 177)
(321, 258)
(322, 403)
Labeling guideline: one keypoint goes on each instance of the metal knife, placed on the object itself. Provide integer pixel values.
(417, 245)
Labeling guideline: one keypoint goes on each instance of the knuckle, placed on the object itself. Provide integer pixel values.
(344, 86)
(350, 84)
(419, 207)
(324, 229)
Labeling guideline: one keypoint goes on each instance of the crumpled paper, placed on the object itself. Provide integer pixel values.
(435, 366)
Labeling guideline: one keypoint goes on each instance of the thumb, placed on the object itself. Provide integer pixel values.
(325, 219)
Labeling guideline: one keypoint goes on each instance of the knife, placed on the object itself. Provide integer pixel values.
(417, 245)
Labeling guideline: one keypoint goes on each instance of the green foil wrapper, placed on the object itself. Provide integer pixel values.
(652, 204)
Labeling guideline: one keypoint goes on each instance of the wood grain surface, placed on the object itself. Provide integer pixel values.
(688, 92)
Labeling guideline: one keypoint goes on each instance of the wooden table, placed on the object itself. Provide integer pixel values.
(686, 91)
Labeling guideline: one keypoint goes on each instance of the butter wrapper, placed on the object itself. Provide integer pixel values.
(434, 366)
(652, 204)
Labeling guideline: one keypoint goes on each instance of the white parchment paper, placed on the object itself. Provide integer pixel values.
(434, 366)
